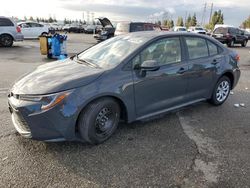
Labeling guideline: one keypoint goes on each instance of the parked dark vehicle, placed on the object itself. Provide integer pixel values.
(9, 32)
(128, 77)
(230, 36)
(107, 30)
(74, 29)
(128, 27)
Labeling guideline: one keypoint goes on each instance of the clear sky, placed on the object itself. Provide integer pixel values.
(123, 10)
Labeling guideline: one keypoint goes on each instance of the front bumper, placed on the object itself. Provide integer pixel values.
(56, 124)
(100, 37)
(236, 73)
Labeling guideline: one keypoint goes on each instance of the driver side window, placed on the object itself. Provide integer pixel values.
(164, 51)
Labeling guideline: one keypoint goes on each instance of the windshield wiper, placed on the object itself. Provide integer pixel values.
(81, 61)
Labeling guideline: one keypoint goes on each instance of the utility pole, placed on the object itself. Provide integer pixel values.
(211, 12)
(204, 14)
(185, 21)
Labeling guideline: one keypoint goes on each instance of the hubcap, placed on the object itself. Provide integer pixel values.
(222, 91)
(6, 41)
(104, 121)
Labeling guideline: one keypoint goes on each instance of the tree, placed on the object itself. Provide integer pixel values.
(180, 22)
(168, 23)
(31, 18)
(217, 18)
(246, 23)
(50, 20)
(25, 18)
(188, 21)
(37, 19)
(193, 21)
(171, 24)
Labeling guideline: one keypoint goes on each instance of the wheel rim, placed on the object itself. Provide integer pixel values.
(6, 41)
(104, 121)
(245, 43)
(222, 91)
(232, 43)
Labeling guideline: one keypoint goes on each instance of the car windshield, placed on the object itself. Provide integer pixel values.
(198, 28)
(221, 30)
(111, 52)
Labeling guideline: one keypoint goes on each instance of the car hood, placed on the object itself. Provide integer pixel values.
(105, 22)
(55, 77)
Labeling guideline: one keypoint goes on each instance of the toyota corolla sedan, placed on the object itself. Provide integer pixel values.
(128, 77)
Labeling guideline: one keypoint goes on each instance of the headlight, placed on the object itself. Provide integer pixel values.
(104, 32)
(48, 101)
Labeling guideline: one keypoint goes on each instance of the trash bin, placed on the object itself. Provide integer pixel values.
(54, 46)
(44, 45)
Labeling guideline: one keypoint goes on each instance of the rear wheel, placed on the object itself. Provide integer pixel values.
(99, 120)
(244, 44)
(221, 91)
(6, 40)
(44, 34)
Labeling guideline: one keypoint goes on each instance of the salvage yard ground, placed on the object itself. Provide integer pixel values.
(198, 146)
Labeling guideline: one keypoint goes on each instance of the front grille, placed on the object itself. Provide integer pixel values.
(20, 122)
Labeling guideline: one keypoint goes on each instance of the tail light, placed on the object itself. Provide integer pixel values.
(228, 35)
(237, 58)
(18, 29)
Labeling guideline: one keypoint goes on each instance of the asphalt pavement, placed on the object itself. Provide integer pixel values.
(197, 146)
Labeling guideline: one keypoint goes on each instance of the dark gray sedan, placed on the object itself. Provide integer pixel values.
(128, 78)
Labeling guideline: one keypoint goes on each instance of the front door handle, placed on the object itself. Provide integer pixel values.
(215, 62)
(181, 70)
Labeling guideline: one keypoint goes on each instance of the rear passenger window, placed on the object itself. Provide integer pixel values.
(213, 49)
(5, 22)
(197, 47)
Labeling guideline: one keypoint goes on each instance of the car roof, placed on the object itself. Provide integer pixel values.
(154, 34)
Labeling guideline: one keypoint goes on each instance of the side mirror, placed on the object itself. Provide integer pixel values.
(150, 65)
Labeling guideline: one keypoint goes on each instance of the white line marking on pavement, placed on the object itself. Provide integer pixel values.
(205, 146)
(4, 90)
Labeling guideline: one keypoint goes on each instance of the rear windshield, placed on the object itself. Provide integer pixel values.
(141, 27)
(5, 22)
(198, 28)
(122, 27)
(221, 30)
(182, 29)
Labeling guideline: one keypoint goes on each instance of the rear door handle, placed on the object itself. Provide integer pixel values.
(181, 70)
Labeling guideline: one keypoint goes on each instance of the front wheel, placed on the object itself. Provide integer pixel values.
(231, 43)
(221, 91)
(99, 120)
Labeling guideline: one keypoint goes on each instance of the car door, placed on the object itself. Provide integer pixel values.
(202, 67)
(35, 30)
(26, 30)
(156, 91)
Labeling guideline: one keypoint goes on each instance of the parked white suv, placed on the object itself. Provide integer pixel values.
(198, 30)
(9, 32)
(33, 29)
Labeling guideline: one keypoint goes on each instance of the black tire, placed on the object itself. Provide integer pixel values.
(6, 40)
(44, 34)
(99, 120)
(231, 43)
(215, 99)
(244, 44)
